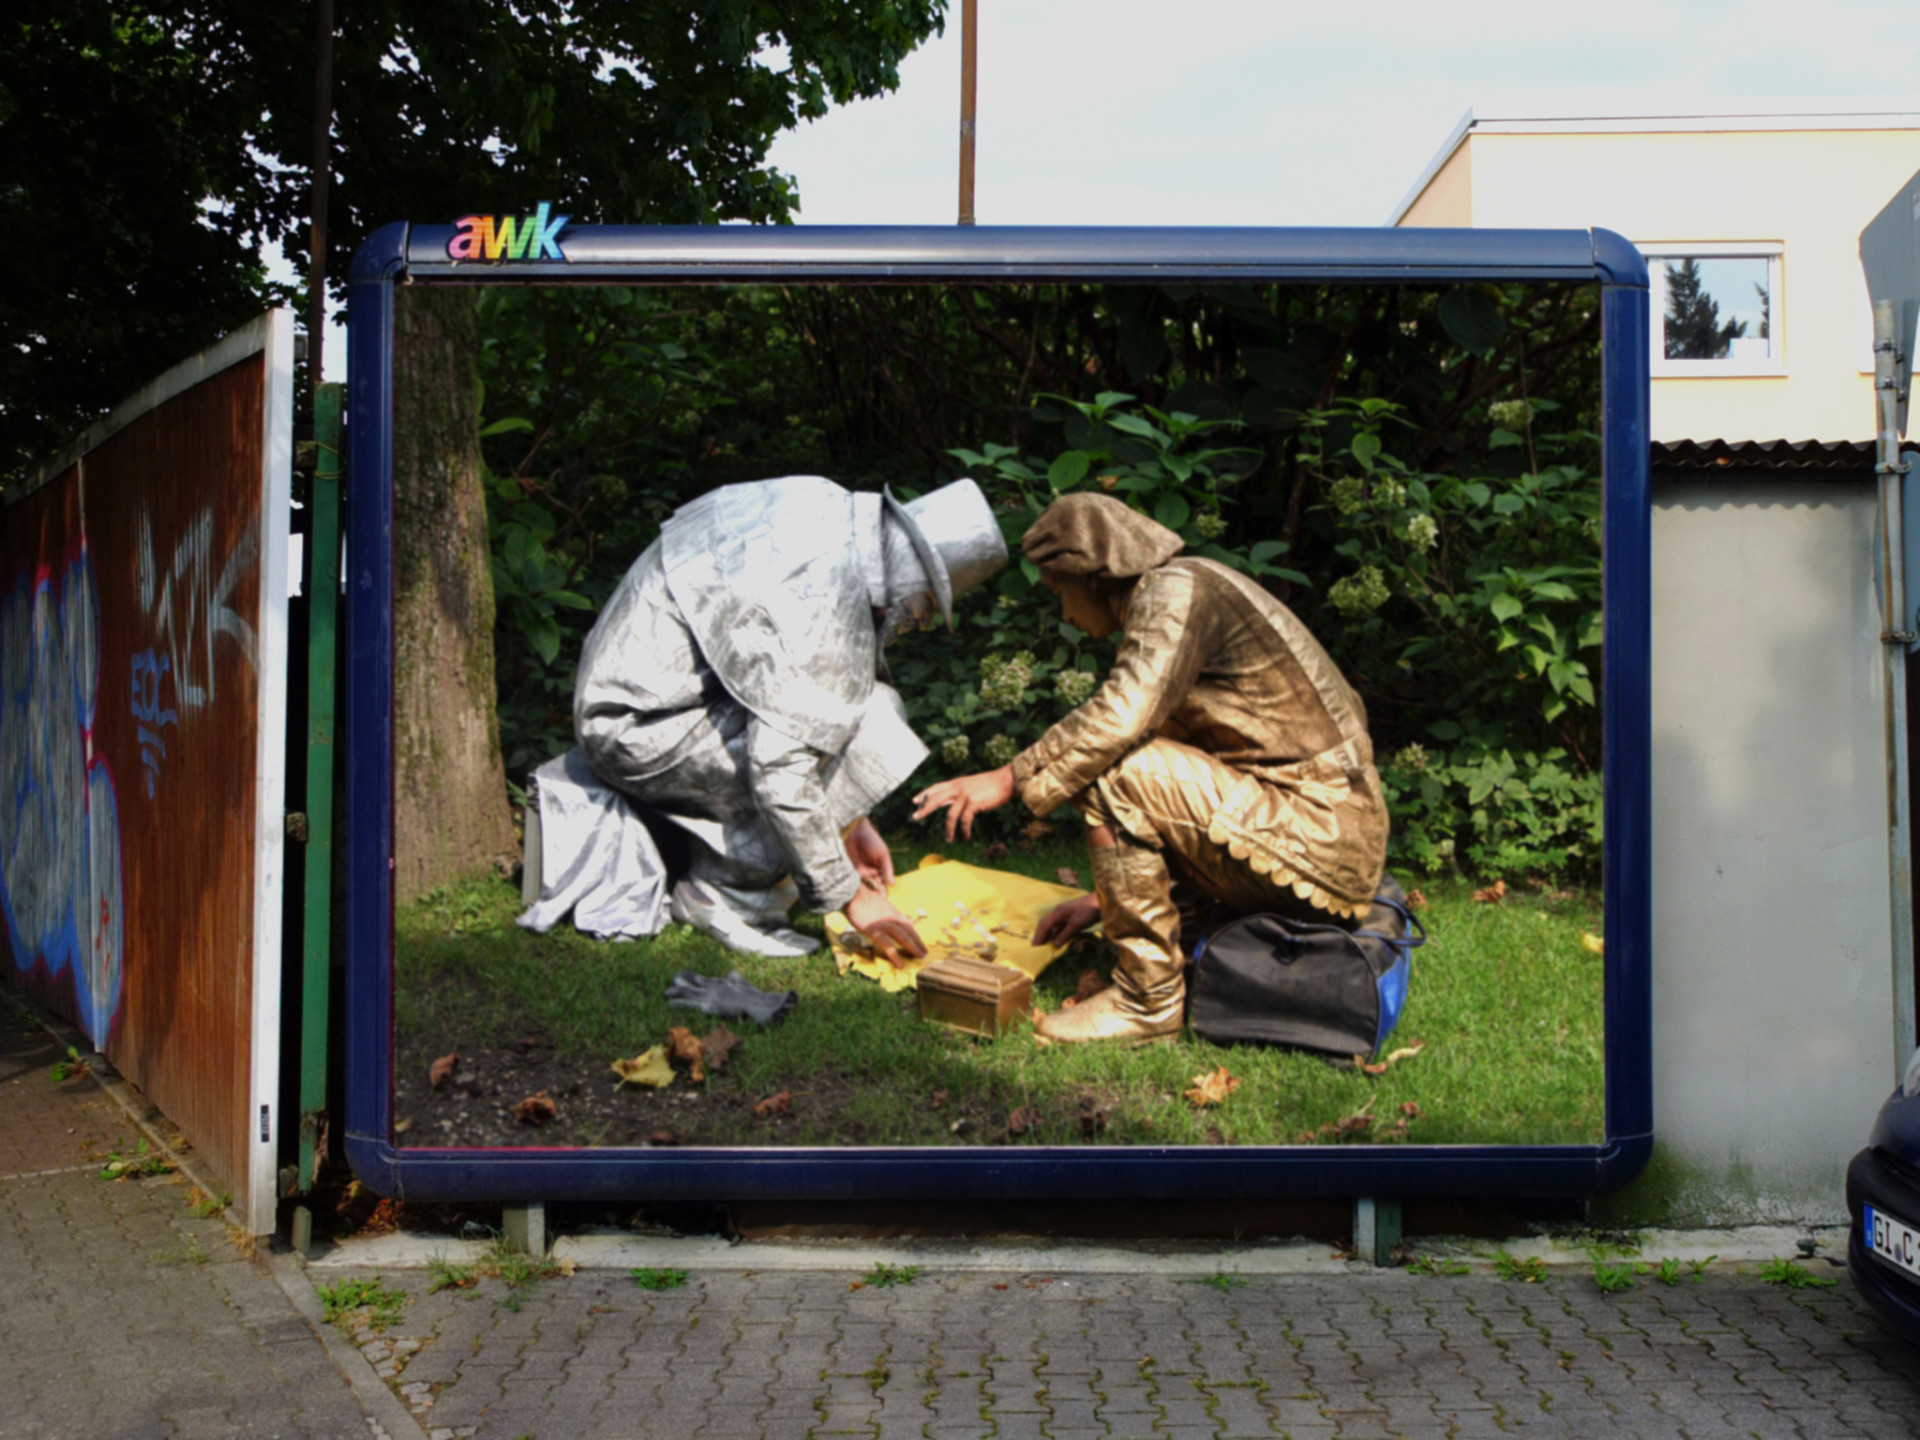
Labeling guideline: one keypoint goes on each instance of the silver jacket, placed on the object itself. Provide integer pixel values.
(730, 681)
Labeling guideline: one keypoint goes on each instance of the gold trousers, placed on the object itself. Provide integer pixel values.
(1160, 801)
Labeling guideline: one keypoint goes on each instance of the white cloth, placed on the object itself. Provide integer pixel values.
(597, 858)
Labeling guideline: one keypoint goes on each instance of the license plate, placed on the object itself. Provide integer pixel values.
(1893, 1240)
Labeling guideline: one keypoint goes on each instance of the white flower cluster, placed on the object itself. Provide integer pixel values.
(1003, 683)
(1349, 494)
(1073, 686)
(1001, 749)
(1360, 593)
(1510, 414)
(954, 753)
(1388, 493)
(1422, 532)
(1414, 757)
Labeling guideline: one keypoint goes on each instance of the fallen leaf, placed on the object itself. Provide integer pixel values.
(565, 1266)
(938, 1098)
(441, 1070)
(1212, 1088)
(1000, 1285)
(1590, 941)
(1092, 982)
(996, 851)
(1035, 830)
(1068, 876)
(1411, 1110)
(1417, 900)
(1106, 482)
(649, 1067)
(683, 1048)
(1042, 1041)
(856, 1285)
(1022, 1120)
(663, 1138)
(535, 1110)
(1360, 1063)
(774, 1105)
(400, 1127)
(1493, 894)
(718, 1047)
(1406, 1052)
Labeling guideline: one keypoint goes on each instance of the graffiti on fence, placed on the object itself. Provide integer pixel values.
(188, 610)
(60, 881)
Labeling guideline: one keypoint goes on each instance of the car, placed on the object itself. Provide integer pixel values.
(1883, 1199)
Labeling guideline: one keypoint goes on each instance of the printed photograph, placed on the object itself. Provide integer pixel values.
(999, 715)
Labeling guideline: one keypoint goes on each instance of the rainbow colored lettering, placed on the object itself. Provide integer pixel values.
(501, 237)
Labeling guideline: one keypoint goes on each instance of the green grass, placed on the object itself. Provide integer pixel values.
(343, 1299)
(649, 1278)
(1505, 997)
(885, 1276)
(1794, 1276)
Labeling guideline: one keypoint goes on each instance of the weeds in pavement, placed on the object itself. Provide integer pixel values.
(883, 1275)
(1612, 1278)
(1434, 1265)
(1530, 1271)
(443, 1274)
(71, 1068)
(203, 1206)
(188, 1252)
(1667, 1272)
(1224, 1281)
(1793, 1275)
(122, 1167)
(343, 1299)
(648, 1278)
(1698, 1268)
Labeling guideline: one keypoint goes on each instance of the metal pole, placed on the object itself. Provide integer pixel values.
(1897, 638)
(969, 74)
(322, 181)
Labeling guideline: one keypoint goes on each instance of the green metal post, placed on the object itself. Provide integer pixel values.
(323, 594)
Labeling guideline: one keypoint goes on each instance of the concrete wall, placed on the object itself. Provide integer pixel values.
(1773, 1040)
(1810, 191)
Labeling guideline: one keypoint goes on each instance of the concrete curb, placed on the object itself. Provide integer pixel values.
(383, 1409)
(621, 1251)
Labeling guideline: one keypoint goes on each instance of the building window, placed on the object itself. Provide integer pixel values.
(1716, 310)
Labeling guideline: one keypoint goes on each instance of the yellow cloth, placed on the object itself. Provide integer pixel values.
(951, 905)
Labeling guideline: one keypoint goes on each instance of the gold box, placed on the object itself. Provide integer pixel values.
(973, 995)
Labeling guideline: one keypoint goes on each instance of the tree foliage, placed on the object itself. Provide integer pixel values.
(158, 147)
(1414, 471)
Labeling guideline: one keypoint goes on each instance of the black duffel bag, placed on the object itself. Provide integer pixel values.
(1267, 980)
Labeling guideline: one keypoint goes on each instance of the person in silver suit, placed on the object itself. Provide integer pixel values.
(735, 686)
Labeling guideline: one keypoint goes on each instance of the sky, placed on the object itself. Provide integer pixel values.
(1267, 112)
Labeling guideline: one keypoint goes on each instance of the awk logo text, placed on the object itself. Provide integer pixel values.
(502, 237)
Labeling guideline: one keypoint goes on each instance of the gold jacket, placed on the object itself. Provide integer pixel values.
(1212, 660)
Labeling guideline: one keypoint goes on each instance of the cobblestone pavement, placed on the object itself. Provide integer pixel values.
(122, 1315)
(793, 1354)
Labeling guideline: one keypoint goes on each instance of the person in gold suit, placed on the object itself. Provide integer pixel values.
(1224, 757)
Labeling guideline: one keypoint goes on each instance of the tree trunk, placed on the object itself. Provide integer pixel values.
(450, 796)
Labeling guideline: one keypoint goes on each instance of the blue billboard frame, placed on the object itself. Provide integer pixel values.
(642, 255)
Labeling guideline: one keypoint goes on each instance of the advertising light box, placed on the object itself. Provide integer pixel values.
(1007, 705)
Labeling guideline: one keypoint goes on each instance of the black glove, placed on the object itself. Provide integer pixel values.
(729, 997)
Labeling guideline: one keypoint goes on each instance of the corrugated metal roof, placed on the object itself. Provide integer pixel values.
(1853, 455)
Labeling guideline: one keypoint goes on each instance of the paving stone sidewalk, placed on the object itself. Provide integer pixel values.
(122, 1315)
(795, 1354)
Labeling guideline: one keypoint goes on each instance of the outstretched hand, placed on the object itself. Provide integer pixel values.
(1066, 920)
(966, 797)
(886, 928)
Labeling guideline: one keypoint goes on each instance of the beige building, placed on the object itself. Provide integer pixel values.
(1767, 207)
(1783, 976)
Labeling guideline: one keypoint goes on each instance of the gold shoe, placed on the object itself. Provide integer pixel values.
(1108, 1016)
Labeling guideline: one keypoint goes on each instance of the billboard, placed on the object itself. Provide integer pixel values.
(142, 725)
(1411, 464)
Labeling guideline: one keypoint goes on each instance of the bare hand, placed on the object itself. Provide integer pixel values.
(966, 797)
(870, 856)
(1066, 920)
(886, 928)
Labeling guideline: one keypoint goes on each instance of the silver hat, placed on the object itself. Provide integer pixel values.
(956, 536)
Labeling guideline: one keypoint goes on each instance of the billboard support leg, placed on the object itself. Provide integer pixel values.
(1376, 1230)
(525, 1228)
